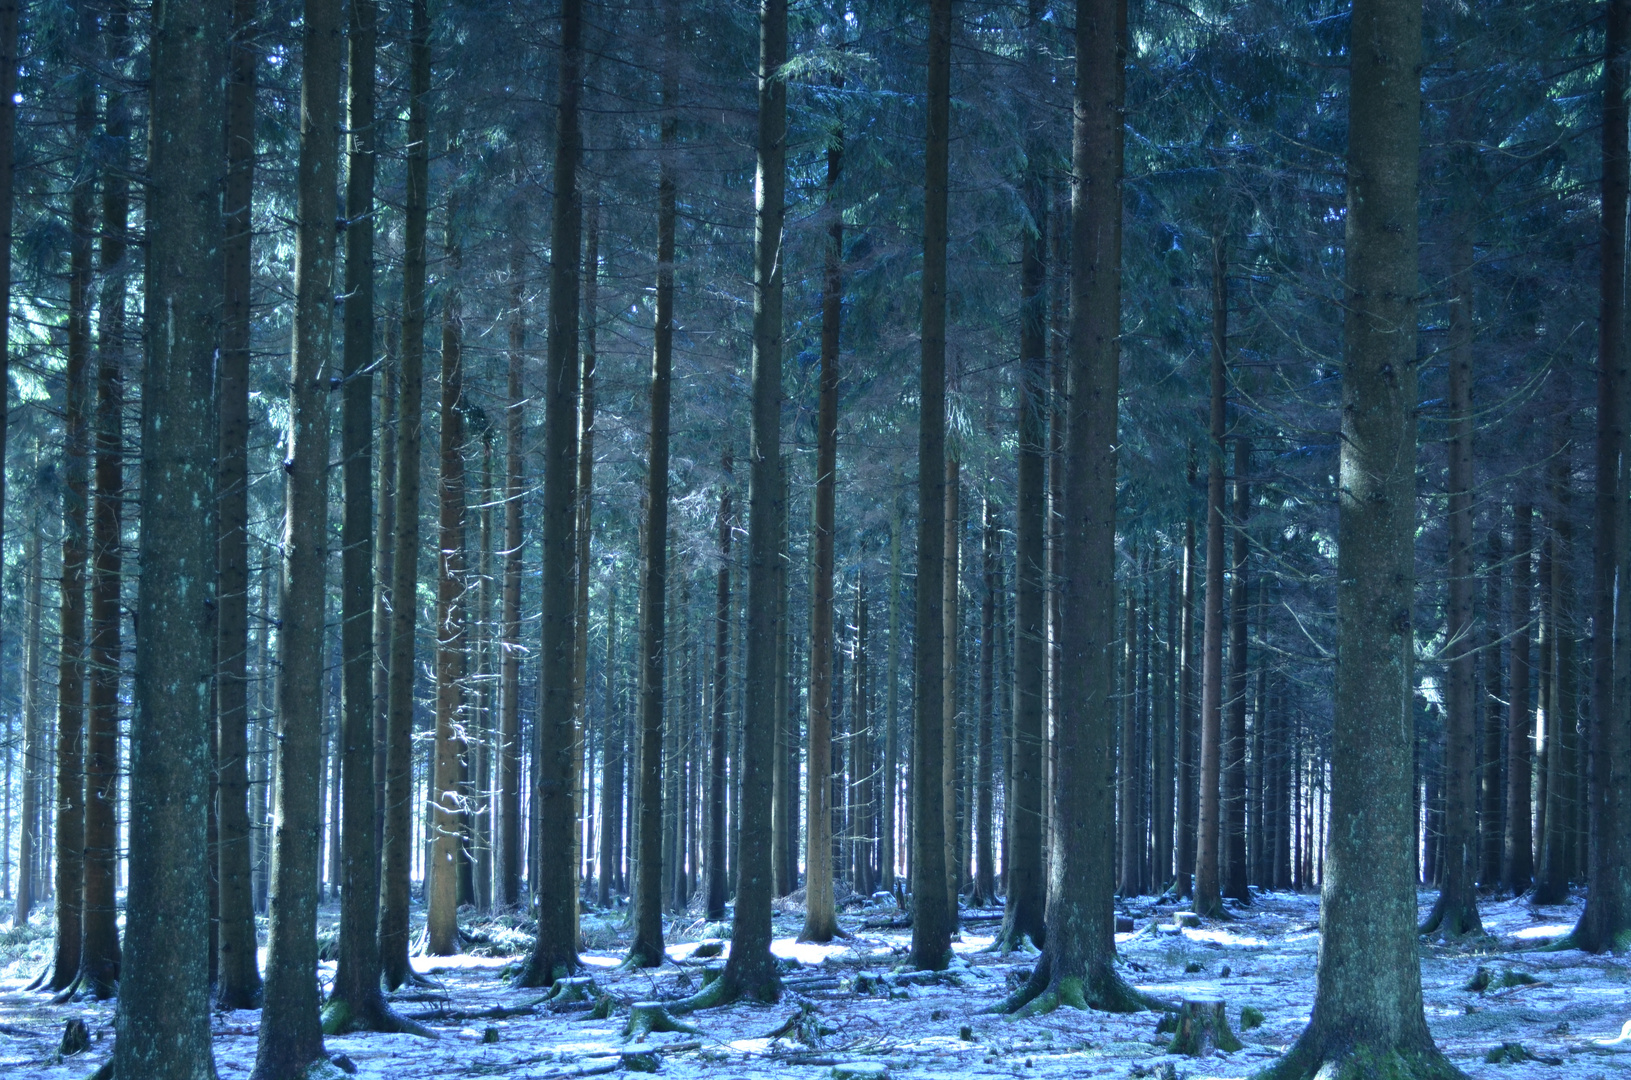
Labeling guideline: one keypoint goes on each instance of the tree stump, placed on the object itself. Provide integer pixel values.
(76, 1038)
(1201, 1029)
(581, 988)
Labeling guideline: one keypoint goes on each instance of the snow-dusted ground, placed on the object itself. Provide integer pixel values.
(1264, 959)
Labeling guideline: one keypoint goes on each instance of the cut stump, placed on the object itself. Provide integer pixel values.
(1202, 1028)
(646, 1017)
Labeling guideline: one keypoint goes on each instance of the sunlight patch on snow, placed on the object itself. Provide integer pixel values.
(425, 965)
(1529, 933)
(1220, 937)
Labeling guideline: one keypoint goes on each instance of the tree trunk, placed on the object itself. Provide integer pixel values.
(1368, 1004)
(784, 782)
(891, 716)
(1234, 737)
(1188, 737)
(1078, 962)
(585, 508)
(239, 978)
(1517, 855)
(1606, 922)
(820, 919)
(1127, 778)
(950, 730)
(75, 484)
(1456, 911)
(291, 1035)
(1491, 785)
(714, 861)
(1161, 754)
(28, 843)
(1209, 839)
(985, 871)
(647, 947)
(447, 804)
(396, 858)
(384, 556)
(555, 950)
(163, 1021)
(1552, 873)
(99, 956)
(612, 768)
(750, 972)
(1023, 800)
(508, 873)
(8, 133)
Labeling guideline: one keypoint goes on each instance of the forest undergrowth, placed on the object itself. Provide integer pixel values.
(1499, 1006)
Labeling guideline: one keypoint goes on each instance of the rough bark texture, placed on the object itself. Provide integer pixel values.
(291, 1034)
(396, 858)
(1188, 751)
(612, 767)
(1078, 961)
(1493, 705)
(163, 1023)
(750, 972)
(555, 950)
(985, 871)
(951, 755)
(508, 873)
(585, 508)
(1553, 873)
(8, 133)
(1455, 913)
(99, 956)
(820, 918)
(28, 842)
(1209, 829)
(448, 813)
(1367, 1018)
(647, 948)
(75, 489)
(1517, 855)
(238, 983)
(1237, 870)
(891, 716)
(931, 901)
(718, 796)
(1606, 923)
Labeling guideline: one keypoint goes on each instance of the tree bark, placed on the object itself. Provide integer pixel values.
(291, 1034)
(555, 950)
(1235, 884)
(447, 803)
(714, 861)
(585, 508)
(238, 983)
(396, 859)
(1209, 838)
(612, 767)
(29, 847)
(1517, 855)
(1368, 1004)
(1553, 872)
(71, 667)
(1188, 736)
(8, 132)
(384, 556)
(99, 956)
(163, 1024)
(1078, 961)
(508, 872)
(1491, 782)
(891, 717)
(647, 947)
(1162, 748)
(985, 871)
(750, 972)
(820, 918)
(951, 639)
(1606, 922)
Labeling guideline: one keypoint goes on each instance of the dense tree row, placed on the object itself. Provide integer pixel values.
(477, 457)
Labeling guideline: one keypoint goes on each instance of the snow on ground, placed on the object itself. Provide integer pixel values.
(1570, 1014)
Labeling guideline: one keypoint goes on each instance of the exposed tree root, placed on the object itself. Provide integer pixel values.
(639, 958)
(1310, 1060)
(1452, 919)
(43, 978)
(646, 1017)
(342, 1017)
(66, 994)
(1104, 991)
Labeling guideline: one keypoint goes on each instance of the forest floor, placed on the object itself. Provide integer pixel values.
(1564, 1009)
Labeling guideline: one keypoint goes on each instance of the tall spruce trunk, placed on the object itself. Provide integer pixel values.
(1162, 749)
(750, 972)
(714, 860)
(985, 871)
(1209, 833)
(384, 556)
(396, 857)
(1606, 922)
(71, 667)
(821, 919)
(1491, 779)
(99, 955)
(1455, 913)
(291, 1034)
(1554, 867)
(891, 717)
(1517, 853)
(951, 638)
(447, 802)
(931, 917)
(1237, 872)
(585, 514)
(1026, 881)
(8, 132)
(1129, 859)
(238, 983)
(1188, 736)
(1078, 961)
(163, 1023)
(647, 947)
(555, 949)
(1367, 1013)
(612, 767)
(508, 855)
(29, 847)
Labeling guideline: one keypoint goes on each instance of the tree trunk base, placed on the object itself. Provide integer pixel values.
(1316, 1058)
(646, 1017)
(342, 1017)
(1103, 991)
(1453, 917)
(1200, 1028)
